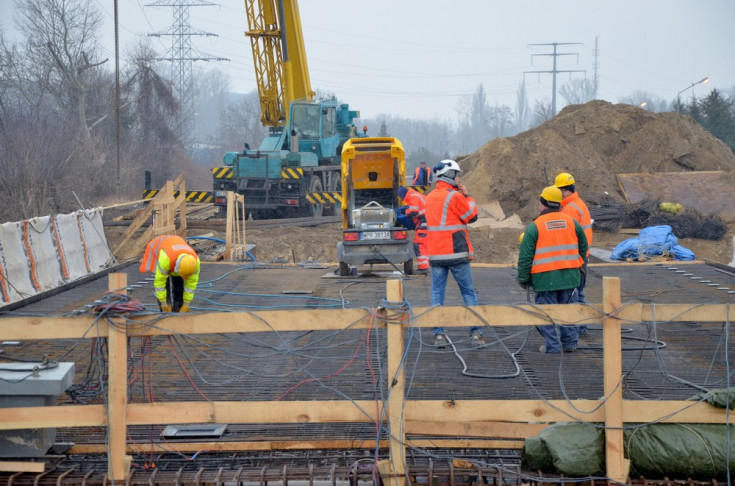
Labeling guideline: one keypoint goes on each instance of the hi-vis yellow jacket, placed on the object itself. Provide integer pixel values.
(162, 256)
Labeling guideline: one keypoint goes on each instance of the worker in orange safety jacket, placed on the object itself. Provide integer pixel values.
(416, 210)
(449, 209)
(176, 266)
(422, 176)
(574, 206)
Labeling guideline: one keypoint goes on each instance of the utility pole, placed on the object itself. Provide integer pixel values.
(554, 71)
(596, 66)
(181, 51)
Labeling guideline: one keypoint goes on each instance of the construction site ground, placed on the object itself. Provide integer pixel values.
(661, 361)
(620, 152)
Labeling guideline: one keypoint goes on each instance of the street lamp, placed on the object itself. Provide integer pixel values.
(704, 80)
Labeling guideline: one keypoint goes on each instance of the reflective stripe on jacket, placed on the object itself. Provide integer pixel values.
(162, 256)
(577, 209)
(557, 246)
(447, 214)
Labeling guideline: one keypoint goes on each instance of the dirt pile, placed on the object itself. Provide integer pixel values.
(594, 142)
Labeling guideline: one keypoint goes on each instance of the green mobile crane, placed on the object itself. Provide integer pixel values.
(296, 170)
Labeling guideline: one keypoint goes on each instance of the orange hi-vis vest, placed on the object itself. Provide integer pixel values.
(577, 209)
(447, 215)
(557, 247)
(416, 208)
(174, 246)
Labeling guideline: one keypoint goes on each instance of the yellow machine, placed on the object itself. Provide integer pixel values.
(373, 169)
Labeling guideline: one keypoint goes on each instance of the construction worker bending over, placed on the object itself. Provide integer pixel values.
(573, 205)
(550, 259)
(177, 272)
(449, 208)
(417, 212)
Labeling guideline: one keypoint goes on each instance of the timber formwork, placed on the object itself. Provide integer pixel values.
(660, 361)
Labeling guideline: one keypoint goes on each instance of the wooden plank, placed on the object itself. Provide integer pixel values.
(54, 417)
(31, 327)
(484, 429)
(615, 461)
(117, 389)
(299, 445)
(419, 414)
(396, 386)
(18, 466)
(229, 220)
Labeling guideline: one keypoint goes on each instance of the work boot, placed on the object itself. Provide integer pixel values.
(440, 341)
(477, 339)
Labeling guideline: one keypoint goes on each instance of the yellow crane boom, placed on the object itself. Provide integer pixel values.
(281, 70)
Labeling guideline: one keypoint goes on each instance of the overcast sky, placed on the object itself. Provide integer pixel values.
(420, 58)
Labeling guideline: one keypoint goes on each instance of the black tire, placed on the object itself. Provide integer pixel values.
(315, 185)
(344, 269)
(408, 267)
(335, 209)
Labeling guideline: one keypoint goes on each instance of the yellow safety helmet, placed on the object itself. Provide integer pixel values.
(186, 265)
(520, 237)
(551, 194)
(564, 179)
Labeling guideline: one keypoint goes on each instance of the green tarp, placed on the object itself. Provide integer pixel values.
(676, 451)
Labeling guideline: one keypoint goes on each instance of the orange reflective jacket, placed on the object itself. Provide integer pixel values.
(447, 214)
(557, 247)
(416, 208)
(577, 209)
(173, 245)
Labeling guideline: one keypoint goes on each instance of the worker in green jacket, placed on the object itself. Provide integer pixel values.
(550, 260)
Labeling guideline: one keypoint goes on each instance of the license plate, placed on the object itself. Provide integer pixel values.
(376, 235)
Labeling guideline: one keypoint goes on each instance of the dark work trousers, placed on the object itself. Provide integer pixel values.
(582, 330)
(554, 333)
(175, 294)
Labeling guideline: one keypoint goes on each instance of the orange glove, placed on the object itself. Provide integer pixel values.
(184, 308)
(165, 307)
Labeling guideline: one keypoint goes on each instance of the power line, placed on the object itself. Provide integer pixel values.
(554, 71)
(181, 51)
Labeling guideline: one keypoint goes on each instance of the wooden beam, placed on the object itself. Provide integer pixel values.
(483, 429)
(394, 471)
(430, 417)
(53, 417)
(299, 445)
(229, 223)
(117, 390)
(18, 466)
(616, 464)
(30, 328)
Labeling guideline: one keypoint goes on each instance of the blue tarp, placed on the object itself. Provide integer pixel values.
(652, 241)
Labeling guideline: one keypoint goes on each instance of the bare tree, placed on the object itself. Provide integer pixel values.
(240, 123)
(522, 111)
(647, 101)
(60, 47)
(578, 91)
(542, 111)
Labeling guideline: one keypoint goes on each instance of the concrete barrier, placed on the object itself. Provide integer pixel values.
(43, 253)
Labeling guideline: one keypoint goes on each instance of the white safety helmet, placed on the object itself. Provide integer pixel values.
(447, 168)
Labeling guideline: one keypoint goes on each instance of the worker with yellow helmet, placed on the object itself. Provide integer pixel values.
(176, 266)
(549, 260)
(574, 206)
